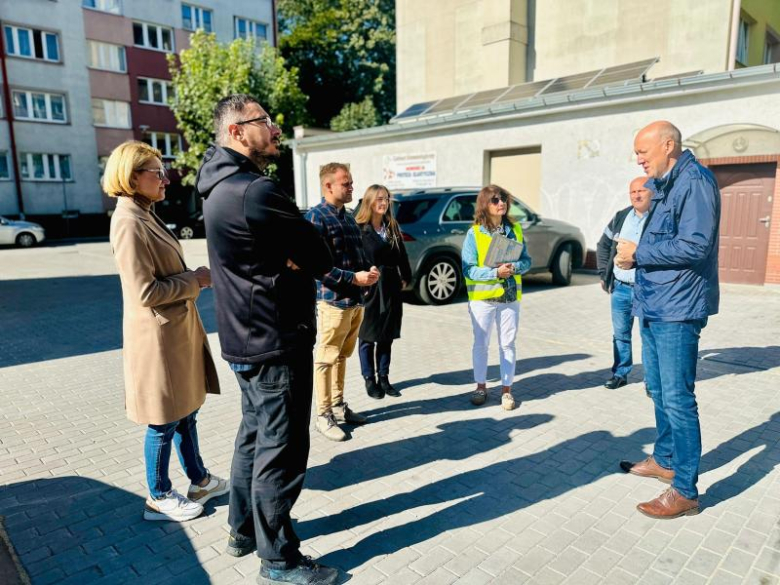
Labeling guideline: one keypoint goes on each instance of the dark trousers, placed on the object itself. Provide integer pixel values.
(272, 449)
(374, 358)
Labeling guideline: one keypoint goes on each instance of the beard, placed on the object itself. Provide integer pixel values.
(263, 157)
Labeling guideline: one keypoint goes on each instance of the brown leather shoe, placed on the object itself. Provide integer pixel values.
(670, 504)
(648, 468)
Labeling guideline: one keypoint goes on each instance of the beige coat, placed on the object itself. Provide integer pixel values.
(167, 361)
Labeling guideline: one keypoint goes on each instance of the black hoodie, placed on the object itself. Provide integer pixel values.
(264, 309)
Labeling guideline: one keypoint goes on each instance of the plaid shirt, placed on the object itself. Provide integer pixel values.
(342, 234)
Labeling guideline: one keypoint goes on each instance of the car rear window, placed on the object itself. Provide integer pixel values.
(412, 210)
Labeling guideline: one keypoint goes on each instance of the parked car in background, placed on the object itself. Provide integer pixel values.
(434, 223)
(188, 228)
(22, 233)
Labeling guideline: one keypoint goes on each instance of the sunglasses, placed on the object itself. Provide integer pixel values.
(497, 200)
(161, 174)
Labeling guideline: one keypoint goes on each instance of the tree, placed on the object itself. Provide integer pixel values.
(345, 52)
(209, 71)
(355, 116)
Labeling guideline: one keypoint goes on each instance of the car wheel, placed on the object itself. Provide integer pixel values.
(26, 240)
(562, 266)
(440, 282)
(186, 233)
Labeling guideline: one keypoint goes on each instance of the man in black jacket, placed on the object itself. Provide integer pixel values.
(627, 224)
(264, 257)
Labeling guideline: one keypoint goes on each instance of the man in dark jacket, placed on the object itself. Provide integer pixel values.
(264, 257)
(676, 291)
(627, 224)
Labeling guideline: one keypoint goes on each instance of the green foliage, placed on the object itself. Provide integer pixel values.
(345, 51)
(355, 116)
(209, 71)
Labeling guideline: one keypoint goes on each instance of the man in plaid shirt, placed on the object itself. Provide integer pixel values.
(339, 299)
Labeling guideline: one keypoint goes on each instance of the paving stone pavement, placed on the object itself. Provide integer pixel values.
(432, 490)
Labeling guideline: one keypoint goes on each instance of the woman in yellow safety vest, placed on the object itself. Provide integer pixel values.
(494, 292)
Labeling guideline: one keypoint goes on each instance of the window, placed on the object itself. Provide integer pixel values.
(151, 36)
(112, 6)
(110, 113)
(154, 91)
(31, 43)
(411, 210)
(743, 41)
(38, 106)
(194, 18)
(168, 144)
(250, 29)
(5, 168)
(518, 213)
(771, 48)
(45, 167)
(106, 56)
(460, 209)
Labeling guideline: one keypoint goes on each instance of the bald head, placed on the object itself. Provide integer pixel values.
(639, 195)
(658, 146)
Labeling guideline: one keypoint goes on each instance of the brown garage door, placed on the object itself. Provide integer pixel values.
(746, 196)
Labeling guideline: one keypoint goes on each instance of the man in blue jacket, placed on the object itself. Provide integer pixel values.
(676, 290)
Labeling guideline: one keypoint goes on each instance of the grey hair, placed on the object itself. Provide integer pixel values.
(669, 131)
(227, 112)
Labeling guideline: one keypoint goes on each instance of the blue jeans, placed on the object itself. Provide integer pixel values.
(368, 366)
(622, 298)
(157, 453)
(669, 354)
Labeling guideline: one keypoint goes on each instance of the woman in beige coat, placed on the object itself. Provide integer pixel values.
(167, 362)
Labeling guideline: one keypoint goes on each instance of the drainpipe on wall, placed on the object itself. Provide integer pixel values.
(736, 10)
(9, 115)
(276, 24)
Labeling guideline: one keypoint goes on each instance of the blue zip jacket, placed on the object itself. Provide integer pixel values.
(677, 256)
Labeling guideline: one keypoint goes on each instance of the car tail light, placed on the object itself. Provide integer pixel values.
(406, 237)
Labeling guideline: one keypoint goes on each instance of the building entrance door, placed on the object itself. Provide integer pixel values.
(746, 207)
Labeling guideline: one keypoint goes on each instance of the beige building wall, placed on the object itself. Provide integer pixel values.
(452, 47)
(573, 36)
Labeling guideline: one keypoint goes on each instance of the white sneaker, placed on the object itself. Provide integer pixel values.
(326, 425)
(173, 507)
(215, 487)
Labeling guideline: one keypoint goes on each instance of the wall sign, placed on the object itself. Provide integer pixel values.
(409, 171)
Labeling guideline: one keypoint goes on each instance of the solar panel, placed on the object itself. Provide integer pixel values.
(679, 75)
(483, 98)
(447, 104)
(524, 90)
(570, 82)
(623, 74)
(414, 110)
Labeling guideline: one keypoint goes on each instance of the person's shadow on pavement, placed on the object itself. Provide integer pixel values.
(753, 470)
(485, 494)
(455, 441)
(80, 530)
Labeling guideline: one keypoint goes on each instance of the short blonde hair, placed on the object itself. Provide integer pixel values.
(330, 169)
(126, 159)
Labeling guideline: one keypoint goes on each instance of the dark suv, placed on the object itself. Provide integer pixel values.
(435, 221)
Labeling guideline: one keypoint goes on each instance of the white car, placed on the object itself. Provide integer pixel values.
(21, 233)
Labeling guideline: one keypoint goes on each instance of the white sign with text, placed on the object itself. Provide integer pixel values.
(409, 171)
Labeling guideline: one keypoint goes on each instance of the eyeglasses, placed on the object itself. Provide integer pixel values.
(267, 119)
(497, 200)
(161, 174)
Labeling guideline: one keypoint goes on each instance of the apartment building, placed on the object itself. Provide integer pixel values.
(80, 77)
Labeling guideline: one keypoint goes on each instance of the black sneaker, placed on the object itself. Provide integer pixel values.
(240, 545)
(306, 573)
(387, 388)
(373, 389)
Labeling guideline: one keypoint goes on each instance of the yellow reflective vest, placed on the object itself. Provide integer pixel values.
(481, 290)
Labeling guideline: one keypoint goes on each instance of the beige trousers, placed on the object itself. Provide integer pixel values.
(338, 330)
